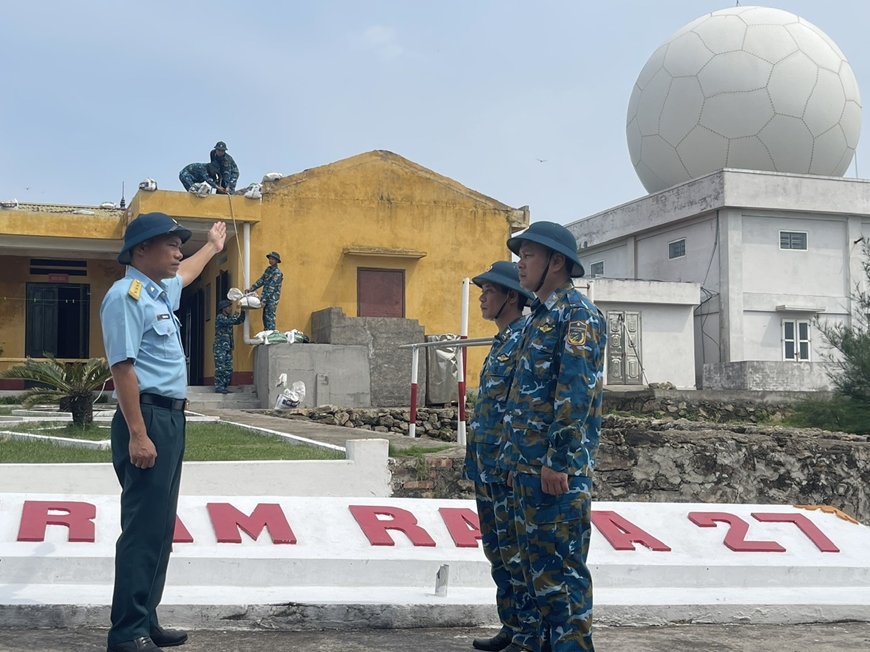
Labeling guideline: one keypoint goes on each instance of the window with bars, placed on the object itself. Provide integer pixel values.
(795, 340)
(796, 240)
(597, 269)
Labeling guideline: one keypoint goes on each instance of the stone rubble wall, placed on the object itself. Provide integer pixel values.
(437, 423)
(714, 407)
(651, 460)
(683, 456)
(684, 461)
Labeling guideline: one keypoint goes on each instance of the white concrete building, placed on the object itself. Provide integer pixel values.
(737, 90)
(770, 251)
(650, 334)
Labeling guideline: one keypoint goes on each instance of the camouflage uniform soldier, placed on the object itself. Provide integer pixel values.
(223, 344)
(552, 422)
(229, 171)
(501, 300)
(270, 281)
(199, 172)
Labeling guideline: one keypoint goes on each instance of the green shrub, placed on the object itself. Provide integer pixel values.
(835, 414)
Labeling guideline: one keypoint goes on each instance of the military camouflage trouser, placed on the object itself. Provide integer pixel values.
(188, 178)
(269, 316)
(223, 365)
(516, 608)
(553, 534)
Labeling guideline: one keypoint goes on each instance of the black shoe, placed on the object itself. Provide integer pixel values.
(495, 644)
(168, 637)
(141, 644)
(221, 390)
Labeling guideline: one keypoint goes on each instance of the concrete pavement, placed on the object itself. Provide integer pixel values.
(836, 637)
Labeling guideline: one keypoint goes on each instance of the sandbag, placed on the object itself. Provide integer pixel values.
(291, 397)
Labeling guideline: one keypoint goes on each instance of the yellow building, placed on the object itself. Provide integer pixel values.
(374, 235)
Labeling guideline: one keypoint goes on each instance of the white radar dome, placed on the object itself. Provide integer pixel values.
(748, 87)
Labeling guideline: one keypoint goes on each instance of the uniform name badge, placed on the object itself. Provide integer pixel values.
(576, 333)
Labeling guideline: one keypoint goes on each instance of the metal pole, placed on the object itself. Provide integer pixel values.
(246, 277)
(460, 422)
(412, 425)
(462, 363)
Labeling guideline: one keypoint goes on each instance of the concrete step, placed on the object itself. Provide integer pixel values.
(227, 402)
(241, 397)
(209, 389)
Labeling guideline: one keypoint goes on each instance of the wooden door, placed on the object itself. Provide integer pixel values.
(380, 292)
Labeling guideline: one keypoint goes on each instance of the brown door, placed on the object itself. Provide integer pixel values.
(380, 292)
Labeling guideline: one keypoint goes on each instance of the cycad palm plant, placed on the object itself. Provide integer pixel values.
(72, 384)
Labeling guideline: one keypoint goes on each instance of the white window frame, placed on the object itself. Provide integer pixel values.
(683, 240)
(797, 340)
(592, 269)
(806, 241)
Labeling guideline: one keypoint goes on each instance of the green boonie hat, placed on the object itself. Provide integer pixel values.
(274, 254)
(505, 274)
(221, 145)
(553, 236)
(147, 226)
(224, 303)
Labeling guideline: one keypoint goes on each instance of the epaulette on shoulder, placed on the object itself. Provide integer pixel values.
(135, 289)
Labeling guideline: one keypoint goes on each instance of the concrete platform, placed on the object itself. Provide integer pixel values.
(351, 562)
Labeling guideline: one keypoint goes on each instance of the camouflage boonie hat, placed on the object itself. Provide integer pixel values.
(221, 145)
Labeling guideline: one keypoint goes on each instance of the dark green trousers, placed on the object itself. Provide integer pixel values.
(149, 498)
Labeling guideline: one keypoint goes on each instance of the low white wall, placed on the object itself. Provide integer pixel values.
(364, 472)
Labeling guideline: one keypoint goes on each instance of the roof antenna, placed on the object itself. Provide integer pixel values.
(123, 203)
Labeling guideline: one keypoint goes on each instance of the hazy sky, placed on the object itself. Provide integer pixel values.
(97, 92)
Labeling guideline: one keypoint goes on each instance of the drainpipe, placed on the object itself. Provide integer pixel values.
(246, 274)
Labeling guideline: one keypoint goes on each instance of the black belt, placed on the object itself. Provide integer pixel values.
(163, 401)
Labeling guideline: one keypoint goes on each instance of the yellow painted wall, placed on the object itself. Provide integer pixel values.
(107, 225)
(380, 200)
(14, 276)
(374, 201)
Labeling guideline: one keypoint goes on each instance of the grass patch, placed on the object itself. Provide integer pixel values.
(205, 442)
(5, 411)
(415, 451)
(220, 441)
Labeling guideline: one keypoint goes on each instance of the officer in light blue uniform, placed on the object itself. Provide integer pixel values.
(552, 425)
(142, 339)
(501, 300)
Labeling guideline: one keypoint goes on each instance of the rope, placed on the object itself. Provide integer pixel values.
(235, 228)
